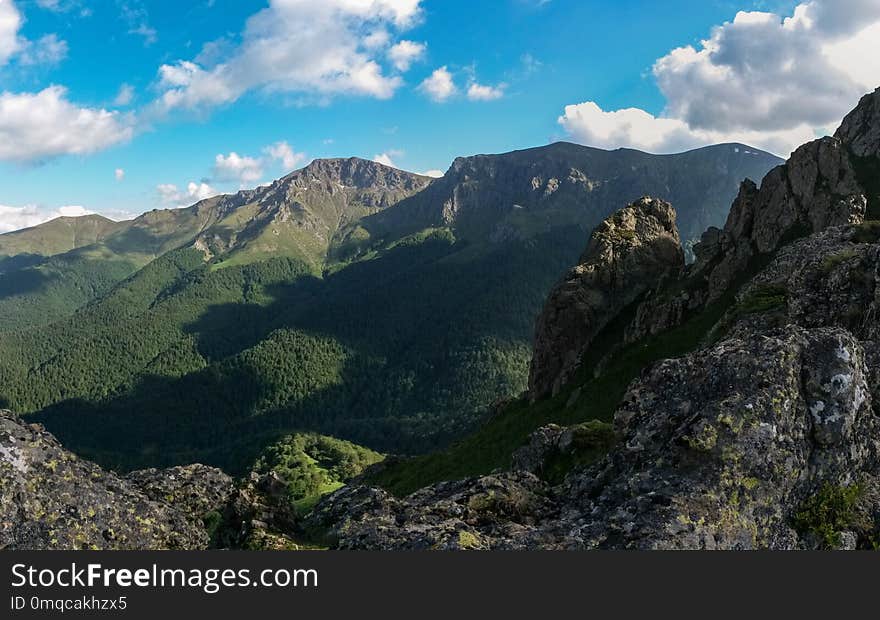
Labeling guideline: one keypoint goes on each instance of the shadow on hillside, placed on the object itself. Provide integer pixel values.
(19, 261)
(24, 281)
(427, 340)
(208, 417)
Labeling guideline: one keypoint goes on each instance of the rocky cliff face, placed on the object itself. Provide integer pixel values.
(511, 196)
(861, 128)
(629, 254)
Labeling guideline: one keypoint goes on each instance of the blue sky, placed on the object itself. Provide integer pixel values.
(144, 96)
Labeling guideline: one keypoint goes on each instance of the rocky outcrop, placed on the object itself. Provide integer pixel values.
(823, 185)
(629, 254)
(51, 499)
(195, 489)
(860, 130)
(724, 448)
(505, 511)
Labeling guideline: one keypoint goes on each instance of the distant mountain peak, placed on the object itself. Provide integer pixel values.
(358, 173)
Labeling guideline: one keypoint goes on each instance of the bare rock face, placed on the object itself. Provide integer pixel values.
(861, 128)
(51, 499)
(629, 253)
(197, 489)
(724, 449)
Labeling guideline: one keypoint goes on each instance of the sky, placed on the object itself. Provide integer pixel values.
(122, 106)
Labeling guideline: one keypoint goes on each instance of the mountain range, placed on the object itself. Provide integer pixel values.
(348, 298)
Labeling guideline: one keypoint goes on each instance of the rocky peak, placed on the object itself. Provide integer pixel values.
(860, 130)
(818, 188)
(357, 173)
(629, 254)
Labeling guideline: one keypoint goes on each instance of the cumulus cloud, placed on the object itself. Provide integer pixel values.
(284, 153)
(482, 92)
(387, 158)
(47, 50)
(16, 218)
(234, 167)
(172, 196)
(402, 55)
(320, 49)
(440, 85)
(761, 78)
(589, 124)
(43, 125)
(434, 174)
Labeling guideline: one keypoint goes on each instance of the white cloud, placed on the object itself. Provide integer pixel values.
(761, 78)
(482, 92)
(387, 158)
(282, 151)
(10, 23)
(135, 15)
(317, 49)
(58, 6)
(16, 218)
(402, 55)
(125, 95)
(234, 167)
(171, 196)
(434, 174)
(43, 125)
(47, 50)
(440, 86)
(589, 124)
(119, 173)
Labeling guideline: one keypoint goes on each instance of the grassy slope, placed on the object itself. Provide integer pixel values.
(59, 236)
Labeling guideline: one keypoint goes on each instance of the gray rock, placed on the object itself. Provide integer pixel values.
(51, 499)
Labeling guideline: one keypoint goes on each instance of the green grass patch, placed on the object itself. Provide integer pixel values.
(867, 232)
(829, 512)
(833, 261)
(762, 298)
